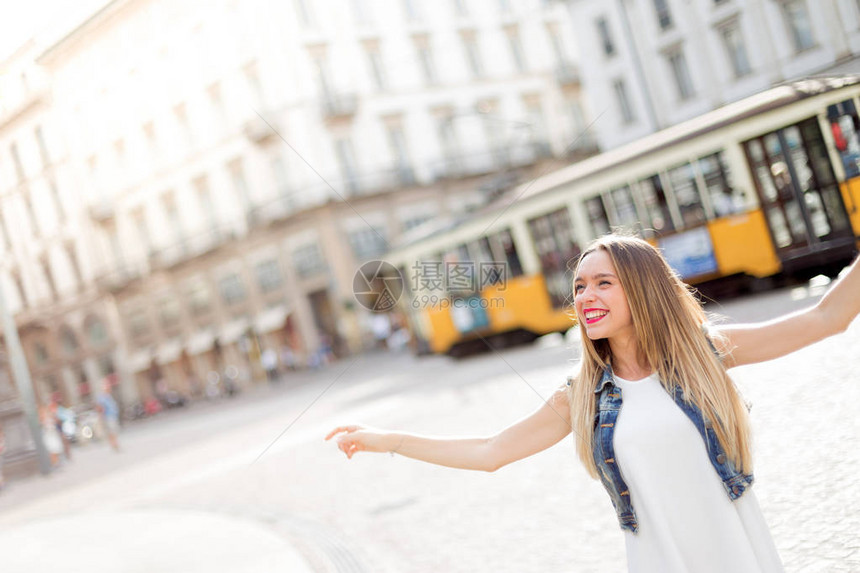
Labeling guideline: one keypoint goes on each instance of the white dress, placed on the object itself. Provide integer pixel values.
(687, 522)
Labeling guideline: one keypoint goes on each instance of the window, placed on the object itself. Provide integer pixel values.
(204, 198)
(49, 277)
(597, 216)
(425, 59)
(255, 85)
(304, 13)
(219, 112)
(73, 262)
(605, 37)
(16, 160)
(362, 12)
(43, 147)
(240, 186)
(504, 241)
(138, 324)
(626, 216)
(683, 182)
(845, 127)
(68, 341)
(269, 276)
(346, 162)
(656, 205)
(377, 69)
(232, 289)
(733, 42)
(725, 199)
(55, 196)
(169, 312)
(199, 300)
(280, 174)
(461, 7)
(681, 74)
(31, 213)
(181, 115)
(96, 332)
(367, 243)
(174, 221)
(397, 142)
(139, 218)
(557, 46)
(19, 286)
(556, 248)
(449, 144)
(473, 55)
(41, 354)
(516, 46)
(623, 101)
(151, 141)
(308, 260)
(800, 27)
(664, 16)
(412, 10)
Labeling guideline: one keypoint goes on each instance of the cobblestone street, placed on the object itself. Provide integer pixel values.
(375, 513)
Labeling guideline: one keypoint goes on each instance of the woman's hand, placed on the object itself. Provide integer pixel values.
(358, 438)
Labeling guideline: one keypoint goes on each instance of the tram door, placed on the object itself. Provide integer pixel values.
(799, 194)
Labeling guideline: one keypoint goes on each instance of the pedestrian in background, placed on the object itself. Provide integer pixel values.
(109, 413)
(655, 415)
(50, 435)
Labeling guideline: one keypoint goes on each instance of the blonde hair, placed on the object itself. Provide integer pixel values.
(668, 322)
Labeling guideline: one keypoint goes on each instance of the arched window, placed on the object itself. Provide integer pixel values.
(68, 340)
(96, 332)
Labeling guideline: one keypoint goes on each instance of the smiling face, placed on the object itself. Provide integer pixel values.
(599, 299)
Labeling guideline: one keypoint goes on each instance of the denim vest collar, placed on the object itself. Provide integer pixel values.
(609, 402)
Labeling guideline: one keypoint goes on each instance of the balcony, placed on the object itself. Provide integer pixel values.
(261, 131)
(567, 74)
(339, 106)
(102, 212)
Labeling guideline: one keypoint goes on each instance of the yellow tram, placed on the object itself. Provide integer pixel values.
(764, 186)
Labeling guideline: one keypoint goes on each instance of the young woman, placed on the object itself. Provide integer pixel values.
(656, 417)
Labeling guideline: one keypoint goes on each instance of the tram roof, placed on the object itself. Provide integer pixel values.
(762, 102)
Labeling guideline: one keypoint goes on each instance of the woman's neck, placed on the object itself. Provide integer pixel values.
(628, 361)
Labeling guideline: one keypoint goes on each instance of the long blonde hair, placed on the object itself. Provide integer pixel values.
(668, 322)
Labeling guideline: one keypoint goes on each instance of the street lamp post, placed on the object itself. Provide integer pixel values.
(24, 384)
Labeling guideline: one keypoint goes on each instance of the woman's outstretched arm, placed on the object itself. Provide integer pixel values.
(750, 343)
(530, 435)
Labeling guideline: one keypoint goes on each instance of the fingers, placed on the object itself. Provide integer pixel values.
(347, 429)
(338, 430)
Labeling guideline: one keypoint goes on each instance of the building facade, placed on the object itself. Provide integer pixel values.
(649, 64)
(182, 189)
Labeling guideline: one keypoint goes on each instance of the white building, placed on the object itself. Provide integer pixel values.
(649, 64)
(181, 187)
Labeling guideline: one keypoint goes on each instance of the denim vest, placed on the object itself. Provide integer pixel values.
(603, 450)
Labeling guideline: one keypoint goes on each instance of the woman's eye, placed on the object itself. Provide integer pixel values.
(578, 288)
(604, 283)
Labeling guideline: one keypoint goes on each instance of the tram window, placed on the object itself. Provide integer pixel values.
(683, 182)
(724, 197)
(845, 127)
(656, 205)
(509, 249)
(557, 250)
(762, 170)
(625, 209)
(819, 158)
(597, 216)
(459, 269)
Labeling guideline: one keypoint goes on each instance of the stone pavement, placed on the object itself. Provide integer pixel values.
(380, 514)
(146, 541)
